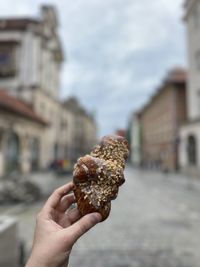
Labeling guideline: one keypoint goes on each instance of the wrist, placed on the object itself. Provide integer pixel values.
(35, 261)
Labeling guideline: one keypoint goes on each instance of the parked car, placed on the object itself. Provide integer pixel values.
(62, 166)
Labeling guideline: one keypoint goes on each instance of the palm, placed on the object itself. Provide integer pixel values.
(61, 218)
(53, 239)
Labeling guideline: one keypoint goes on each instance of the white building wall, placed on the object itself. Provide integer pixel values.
(192, 20)
(71, 127)
(27, 60)
(25, 130)
(185, 132)
(36, 65)
(12, 83)
(26, 65)
(50, 110)
(193, 40)
(136, 142)
(36, 58)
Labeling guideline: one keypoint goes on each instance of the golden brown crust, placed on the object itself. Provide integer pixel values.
(85, 207)
(98, 176)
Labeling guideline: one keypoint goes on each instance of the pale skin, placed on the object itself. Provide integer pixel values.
(58, 228)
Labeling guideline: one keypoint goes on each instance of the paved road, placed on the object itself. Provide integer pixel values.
(155, 222)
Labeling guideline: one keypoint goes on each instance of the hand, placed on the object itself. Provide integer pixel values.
(58, 228)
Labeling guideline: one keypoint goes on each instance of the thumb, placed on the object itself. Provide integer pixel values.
(79, 228)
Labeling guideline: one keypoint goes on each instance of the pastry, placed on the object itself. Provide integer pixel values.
(97, 176)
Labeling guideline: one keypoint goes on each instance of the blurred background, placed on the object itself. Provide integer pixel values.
(73, 71)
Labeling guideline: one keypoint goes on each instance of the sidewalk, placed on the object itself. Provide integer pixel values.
(49, 181)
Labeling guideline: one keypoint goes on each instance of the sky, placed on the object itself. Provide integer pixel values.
(117, 51)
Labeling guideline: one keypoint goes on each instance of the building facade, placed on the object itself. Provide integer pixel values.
(160, 120)
(31, 58)
(21, 131)
(136, 140)
(82, 130)
(30, 62)
(189, 152)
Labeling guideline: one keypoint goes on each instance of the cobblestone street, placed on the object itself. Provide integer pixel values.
(154, 223)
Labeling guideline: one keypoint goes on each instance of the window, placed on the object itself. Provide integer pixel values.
(35, 153)
(197, 60)
(63, 123)
(198, 101)
(7, 59)
(192, 150)
(12, 152)
(42, 108)
(196, 18)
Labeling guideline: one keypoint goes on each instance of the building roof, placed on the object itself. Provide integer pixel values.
(8, 24)
(17, 107)
(37, 25)
(72, 104)
(121, 132)
(175, 77)
(47, 13)
(188, 5)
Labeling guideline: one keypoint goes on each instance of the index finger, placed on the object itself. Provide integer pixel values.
(55, 198)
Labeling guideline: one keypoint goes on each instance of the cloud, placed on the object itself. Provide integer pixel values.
(117, 51)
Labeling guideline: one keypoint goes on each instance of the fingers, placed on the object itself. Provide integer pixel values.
(74, 215)
(70, 217)
(55, 198)
(66, 202)
(82, 226)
